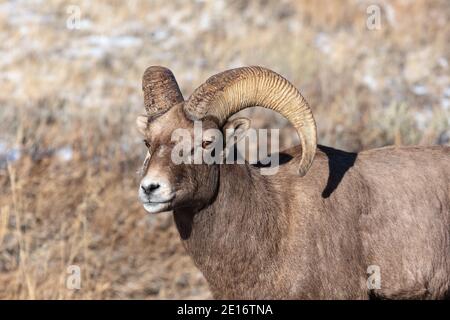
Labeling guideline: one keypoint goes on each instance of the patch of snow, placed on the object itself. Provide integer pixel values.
(64, 154)
(98, 46)
(445, 103)
(390, 14)
(443, 62)
(370, 82)
(8, 155)
(160, 34)
(19, 16)
(113, 42)
(420, 90)
(447, 92)
(11, 76)
(422, 118)
(205, 21)
(85, 24)
(323, 43)
(82, 52)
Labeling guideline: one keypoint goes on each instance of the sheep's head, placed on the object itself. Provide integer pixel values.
(168, 183)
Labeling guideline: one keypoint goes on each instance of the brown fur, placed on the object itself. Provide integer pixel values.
(313, 237)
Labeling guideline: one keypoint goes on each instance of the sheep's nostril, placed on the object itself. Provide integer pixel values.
(154, 186)
(150, 188)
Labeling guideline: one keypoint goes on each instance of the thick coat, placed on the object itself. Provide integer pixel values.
(314, 237)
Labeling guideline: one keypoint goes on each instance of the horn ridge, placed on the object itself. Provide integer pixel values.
(231, 91)
(161, 90)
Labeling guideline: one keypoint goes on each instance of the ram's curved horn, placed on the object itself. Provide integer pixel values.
(161, 91)
(228, 92)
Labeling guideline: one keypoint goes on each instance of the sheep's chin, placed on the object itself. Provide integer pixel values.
(154, 207)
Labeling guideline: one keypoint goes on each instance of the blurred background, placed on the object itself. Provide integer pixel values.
(375, 73)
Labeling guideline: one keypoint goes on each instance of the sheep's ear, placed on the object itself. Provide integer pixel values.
(237, 128)
(142, 124)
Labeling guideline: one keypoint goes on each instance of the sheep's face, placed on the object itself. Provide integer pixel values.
(166, 183)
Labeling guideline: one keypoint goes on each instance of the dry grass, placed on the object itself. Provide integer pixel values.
(69, 152)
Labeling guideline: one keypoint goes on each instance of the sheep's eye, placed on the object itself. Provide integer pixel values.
(205, 144)
(147, 144)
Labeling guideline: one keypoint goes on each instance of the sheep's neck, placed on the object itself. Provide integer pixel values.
(237, 237)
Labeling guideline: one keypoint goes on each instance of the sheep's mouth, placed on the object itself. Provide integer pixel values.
(157, 206)
(156, 202)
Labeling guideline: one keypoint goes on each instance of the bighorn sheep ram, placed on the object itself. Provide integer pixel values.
(312, 230)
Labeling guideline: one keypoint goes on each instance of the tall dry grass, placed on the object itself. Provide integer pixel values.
(69, 152)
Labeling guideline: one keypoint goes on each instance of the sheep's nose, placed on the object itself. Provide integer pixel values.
(149, 188)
